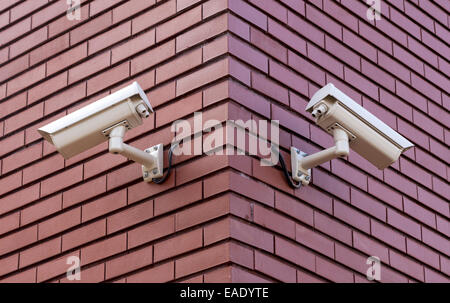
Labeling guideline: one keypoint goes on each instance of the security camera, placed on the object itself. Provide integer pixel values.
(107, 119)
(351, 126)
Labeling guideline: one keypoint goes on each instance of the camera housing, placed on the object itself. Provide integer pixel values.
(352, 126)
(107, 119)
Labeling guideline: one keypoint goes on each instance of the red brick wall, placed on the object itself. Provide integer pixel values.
(224, 218)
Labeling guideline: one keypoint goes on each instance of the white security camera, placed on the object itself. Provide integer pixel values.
(107, 119)
(351, 126)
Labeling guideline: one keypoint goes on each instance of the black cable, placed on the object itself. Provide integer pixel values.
(169, 167)
(286, 173)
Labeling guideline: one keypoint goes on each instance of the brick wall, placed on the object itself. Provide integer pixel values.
(224, 218)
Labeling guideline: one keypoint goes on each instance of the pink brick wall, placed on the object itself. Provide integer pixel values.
(224, 218)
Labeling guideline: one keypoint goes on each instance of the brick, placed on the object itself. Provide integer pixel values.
(426, 88)
(28, 42)
(252, 235)
(302, 27)
(363, 84)
(55, 267)
(10, 222)
(303, 277)
(270, 88)
(68, 58)
(352, 259)
(90, 28)
(157, 274)
(130, 216)
(110, 37)
(13, 67)
(274, 268)
(370, 247)
(183, 4)
(143, 190)
(65, 98)
(19, 198)
(404, 224)
(237, 26)
(294, 208)
(428, 125)
(321, 20)
(351, 216)
(178, 66)
(41, 209)
(215, 48)
(24, 118)
(394, 67)
(12, 143)
(129, 262)
(84, 192)
(13, 104)
(63, 24)
(133, 46)
(431, 200)
(400, 183)
(413, 134)
(28, 276)
(388, 235)
(216, 231)
(154, 16)
(435, 240)
(178, 198)
(153, 57)
(332, 271)
(409, 60)
(40, 252)
(43, 168)
(273, 8)
(420, 213)
(22, 157)
(268, 45)
(422, 253)
(15, 31)
(248, 98)
(151, 231)
(202, 32)
(93, 274)
(9, 264)
(432, 276)
(99, 6)
(342, 52)
(48, 87)
(48, 13)
(406, 265)
(130, 8)
(62, 180)
(203, 212)
(248, 13)
(441, 187)
(349, 174)
(26, 79)
(178, 245)
(10, 182)
(202, 260)
(49, 49)
(18, 239)
(295, 253)
(326, 61)
(84, 234)
(178, 23)
(314, 241)
(104, 205)
(59, 223)
(414, 172)
(108, 78)
(248, 54)
(103, 249)
(89, 67)
(204, 166)
(315, 198)
(333, 228)
(324, 180)
(434, 43)
(273, 221)
(369, 205)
